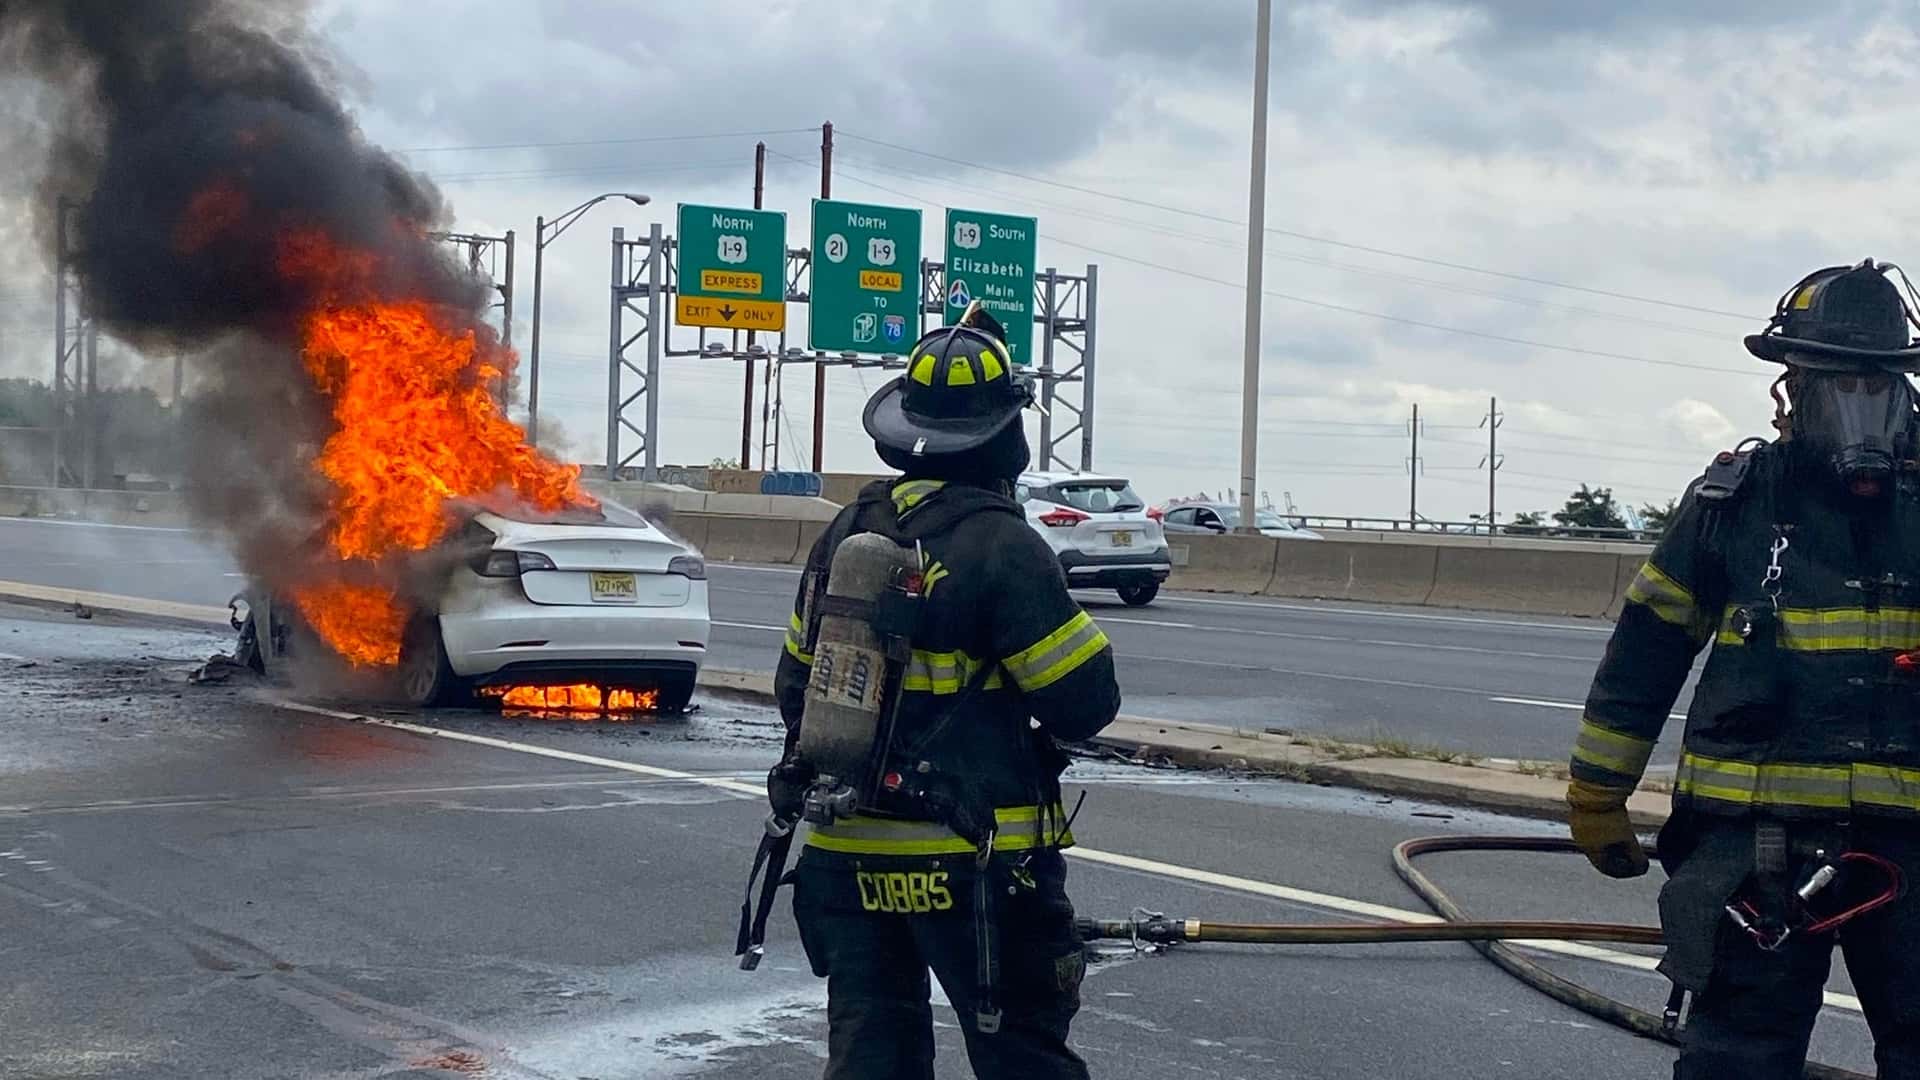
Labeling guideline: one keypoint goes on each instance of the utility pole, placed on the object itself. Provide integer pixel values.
(1256, 265)
(1413, 472)
(820, 370)
(746, 391)
(1492, 461)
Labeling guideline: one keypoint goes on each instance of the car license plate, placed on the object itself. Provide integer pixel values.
(613, 588)
(1122, 539)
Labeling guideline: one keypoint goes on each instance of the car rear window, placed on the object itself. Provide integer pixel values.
(1099, 497)
(606, 513)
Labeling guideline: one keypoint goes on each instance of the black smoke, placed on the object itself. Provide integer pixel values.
(192, 137)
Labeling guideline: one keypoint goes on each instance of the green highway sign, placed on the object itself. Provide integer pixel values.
(990, 257)
(733, 268)
(866, 278)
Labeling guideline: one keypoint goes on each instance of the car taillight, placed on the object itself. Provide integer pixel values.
(688, 566)
(505, 564)
(1156, 513)
(1063, 518)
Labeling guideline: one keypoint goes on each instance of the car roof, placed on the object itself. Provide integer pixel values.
(1033, 478)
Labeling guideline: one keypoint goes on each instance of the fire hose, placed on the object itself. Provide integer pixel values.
(1489, 937)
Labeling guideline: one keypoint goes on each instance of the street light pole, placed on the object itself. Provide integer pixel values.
(533, 347)
(541, 238)
(1256, 264)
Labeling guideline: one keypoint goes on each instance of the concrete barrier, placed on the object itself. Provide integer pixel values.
(689, 529)
(156, 508)
(809, 532)
(742, 539)
(1629, 569)
(1340, 570)
(1241, 564)
(1530, 582)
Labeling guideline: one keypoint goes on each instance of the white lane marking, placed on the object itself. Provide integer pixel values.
(1368, 910)
(371, 794)
(110, 602)
(784, 571)
(1363, 679)
(1338, 640)
(1573, 705)
(734, 786)
(750, 626)
(1325, 901)
(92, 525)
(1377, 613)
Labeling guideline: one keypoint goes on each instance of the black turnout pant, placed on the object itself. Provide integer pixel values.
(1755, 1014)
(874, 927)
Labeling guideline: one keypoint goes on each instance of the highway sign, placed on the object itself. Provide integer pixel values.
(733, 268)
(866, 278)
(990, 257)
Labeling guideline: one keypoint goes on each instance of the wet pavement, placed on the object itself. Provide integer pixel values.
(207, 882)
(1489, 684)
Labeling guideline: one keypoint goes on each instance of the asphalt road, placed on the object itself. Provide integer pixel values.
(1487, 684)
(197, 882)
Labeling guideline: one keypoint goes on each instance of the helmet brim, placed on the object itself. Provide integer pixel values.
(890, 424)
(1821, 356)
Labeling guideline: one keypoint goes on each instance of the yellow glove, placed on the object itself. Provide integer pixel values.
(1602, 830)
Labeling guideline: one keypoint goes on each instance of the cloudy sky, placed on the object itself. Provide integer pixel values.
(1578, 208)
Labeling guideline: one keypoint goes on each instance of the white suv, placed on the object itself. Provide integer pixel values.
(1100, 530)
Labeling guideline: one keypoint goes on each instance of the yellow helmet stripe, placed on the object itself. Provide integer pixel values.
(960, 370)
(923, 369)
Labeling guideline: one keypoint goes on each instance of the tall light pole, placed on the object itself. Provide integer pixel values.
(546, 232)
(1256, 264)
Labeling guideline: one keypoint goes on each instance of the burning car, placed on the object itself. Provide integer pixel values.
(563, 610)
(584, 609)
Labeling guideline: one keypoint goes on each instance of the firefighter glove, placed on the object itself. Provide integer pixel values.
(1602, 831)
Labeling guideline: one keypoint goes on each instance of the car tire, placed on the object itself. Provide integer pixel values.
(675, 695)
(1139, 595)
(426, 677)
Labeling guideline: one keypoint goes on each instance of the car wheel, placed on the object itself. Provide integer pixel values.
(1139, 595)
(676, 694)
(427, 679)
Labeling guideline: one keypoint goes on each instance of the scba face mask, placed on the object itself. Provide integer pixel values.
(1861, 424)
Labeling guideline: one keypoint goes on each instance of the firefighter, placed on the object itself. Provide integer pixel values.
(956, 865)
(1798, 785)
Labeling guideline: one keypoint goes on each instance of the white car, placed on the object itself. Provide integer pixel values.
(1100, 530)
(599, 598)
(1225, 517)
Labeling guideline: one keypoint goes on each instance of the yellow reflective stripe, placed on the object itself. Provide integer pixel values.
(888, 836)
(799, 653)
(944, 672)
(909, 494)
(1853, 629)
(1823, 787)
(1670, 601)
(1614, 751)
(797, 640)
(1057, 655)
(923, 369)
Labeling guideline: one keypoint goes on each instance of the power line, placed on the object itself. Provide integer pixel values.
(1222, 242)
(1387, 252)
(1289, 297)
(606, 142)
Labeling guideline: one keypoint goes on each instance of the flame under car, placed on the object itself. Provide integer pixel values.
(580, 596)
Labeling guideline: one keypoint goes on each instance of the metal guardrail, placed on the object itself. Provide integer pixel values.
(1544, 531)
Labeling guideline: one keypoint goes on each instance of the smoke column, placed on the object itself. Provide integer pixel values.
(194, 136)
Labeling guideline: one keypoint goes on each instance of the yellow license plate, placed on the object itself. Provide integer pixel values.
(1123, 539)
(613, 588)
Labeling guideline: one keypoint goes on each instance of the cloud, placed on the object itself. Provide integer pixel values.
(1701, 423)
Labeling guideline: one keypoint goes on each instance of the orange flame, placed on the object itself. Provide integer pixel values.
(580, 697)
(417, 423)
(363, 623)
